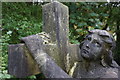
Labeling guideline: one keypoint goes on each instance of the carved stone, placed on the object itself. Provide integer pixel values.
(56, 57)
(56, 24)
(21, 62)
(47, 66)
(97, 60)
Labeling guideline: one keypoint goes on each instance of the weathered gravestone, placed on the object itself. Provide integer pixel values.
(56, 24)
(51, 53)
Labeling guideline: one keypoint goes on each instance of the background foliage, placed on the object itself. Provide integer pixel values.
(18, 20)
(23, 19)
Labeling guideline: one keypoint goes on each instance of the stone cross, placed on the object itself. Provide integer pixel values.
(56, 24)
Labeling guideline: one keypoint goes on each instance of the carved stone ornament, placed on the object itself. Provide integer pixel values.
(97, 56)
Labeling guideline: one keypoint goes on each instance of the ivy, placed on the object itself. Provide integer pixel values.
(18, 20)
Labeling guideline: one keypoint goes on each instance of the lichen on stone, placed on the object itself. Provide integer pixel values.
(45, 37)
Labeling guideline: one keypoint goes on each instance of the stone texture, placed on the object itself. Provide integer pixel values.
(55, 19)
(51, 70)
(20, 61)
(33, 43)
(97, 60)
(47, 66)
(51, 50)
(94, 71)
(55, 22)
(73, 55)
(59, 57)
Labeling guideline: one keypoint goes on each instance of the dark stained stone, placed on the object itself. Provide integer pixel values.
(47, 66)
(56, 23)
(20, 61)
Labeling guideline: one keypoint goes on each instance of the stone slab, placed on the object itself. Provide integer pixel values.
(20, 62)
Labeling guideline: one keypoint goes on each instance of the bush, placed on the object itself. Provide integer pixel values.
(17, 22)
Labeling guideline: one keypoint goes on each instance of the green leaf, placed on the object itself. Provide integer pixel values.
(72, 20)
(7, 76)
(93, 14)
(79, 30)
(92, 20)
(82, 24)
(74, 41)
(105, 15)
(9, 32)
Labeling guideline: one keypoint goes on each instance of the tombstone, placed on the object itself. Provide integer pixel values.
(51, 53)
(56, 24)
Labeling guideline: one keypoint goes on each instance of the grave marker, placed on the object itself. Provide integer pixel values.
(56, 24)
